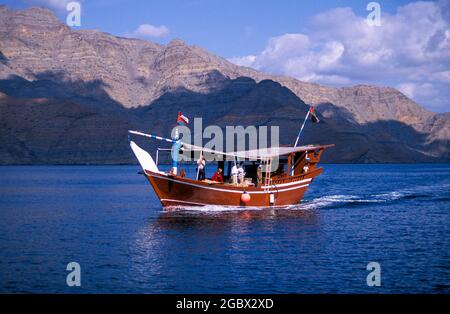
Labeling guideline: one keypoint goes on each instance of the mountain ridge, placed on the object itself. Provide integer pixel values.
(100, 70)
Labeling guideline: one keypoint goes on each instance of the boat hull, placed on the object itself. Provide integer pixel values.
(176, 191)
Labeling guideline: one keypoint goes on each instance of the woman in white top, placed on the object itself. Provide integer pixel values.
(201, 164)
(241, 174)
(234, 174)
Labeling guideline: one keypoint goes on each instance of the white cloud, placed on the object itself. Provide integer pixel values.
(407, 88)
(410, 50)
(148, 30)
(245, 61)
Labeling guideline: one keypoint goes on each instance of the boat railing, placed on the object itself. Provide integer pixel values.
(288, 179)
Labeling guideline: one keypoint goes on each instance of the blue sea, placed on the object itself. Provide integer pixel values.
(108, 219)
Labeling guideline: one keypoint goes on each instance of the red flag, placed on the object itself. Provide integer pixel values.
(314, 118)
(182, 119)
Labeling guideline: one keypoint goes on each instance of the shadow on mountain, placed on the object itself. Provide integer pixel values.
(240, 101)
(243, 101)
(380, 141)
(3, 59)
(55, 120)
(56, 85)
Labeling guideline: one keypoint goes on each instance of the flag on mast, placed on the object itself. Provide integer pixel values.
(314, 118)
(182, 119)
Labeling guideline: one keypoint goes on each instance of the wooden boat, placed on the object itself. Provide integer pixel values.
(286, 185)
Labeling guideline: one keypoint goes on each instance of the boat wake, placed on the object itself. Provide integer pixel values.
(335, 201)
(322, 202)
(340, 200)
(331, 201)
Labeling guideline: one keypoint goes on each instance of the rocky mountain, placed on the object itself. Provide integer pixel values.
(69, 96)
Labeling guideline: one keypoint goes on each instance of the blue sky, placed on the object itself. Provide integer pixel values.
(319, 41)
(228, 28)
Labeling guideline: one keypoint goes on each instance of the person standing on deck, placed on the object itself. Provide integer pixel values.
(234, 174)
(259, 176)
(305, 168)
(241, 174)
(201, 165)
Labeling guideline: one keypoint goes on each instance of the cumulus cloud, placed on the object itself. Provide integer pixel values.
(407, 88)
(410, 51)
(148, 30)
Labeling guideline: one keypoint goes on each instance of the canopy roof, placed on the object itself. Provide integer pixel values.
(262, 153)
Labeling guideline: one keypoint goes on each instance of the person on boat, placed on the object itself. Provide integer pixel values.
(241, 173)
(201, 165)
(234, 174)
(305, 168)
(218, 177)
(259, 176)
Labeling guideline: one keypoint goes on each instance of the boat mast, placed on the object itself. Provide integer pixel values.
(301, 129)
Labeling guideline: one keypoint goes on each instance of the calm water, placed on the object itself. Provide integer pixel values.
(109, 220)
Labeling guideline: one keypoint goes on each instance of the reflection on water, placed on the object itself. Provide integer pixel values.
(204, 214)
(195, 245)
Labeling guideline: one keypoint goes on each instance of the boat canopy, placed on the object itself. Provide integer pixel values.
(262, 153)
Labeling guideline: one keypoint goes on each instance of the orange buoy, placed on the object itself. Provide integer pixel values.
(245, 197)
